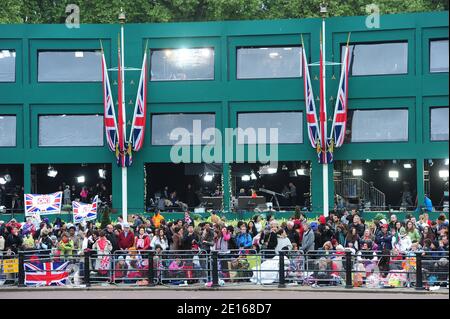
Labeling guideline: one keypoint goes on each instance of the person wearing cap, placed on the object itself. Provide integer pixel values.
(126, 238)
(14, 240)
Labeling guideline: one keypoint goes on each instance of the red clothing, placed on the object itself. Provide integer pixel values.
(126, 242)
(142, 243)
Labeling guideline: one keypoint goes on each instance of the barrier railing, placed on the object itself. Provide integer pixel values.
(372, 269)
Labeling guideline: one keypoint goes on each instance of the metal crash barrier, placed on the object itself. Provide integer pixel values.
(370, 269)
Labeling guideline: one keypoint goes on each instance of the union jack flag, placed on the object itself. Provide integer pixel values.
(109, 114)
(340, 110)
(311, 117)
(140, 109)
(84, 212)
(323, 150)
(44, 204)
(46, 274)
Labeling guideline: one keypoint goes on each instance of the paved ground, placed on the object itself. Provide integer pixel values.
(158, 294)
(250, 292)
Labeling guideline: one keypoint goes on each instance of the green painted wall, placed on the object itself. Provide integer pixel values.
(225, 95)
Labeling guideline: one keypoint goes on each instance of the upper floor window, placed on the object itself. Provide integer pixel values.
(439, 124)
(378, 58)
(438, 56)
(257, 127)
(71, 130)
(382, 125)
(7, 130)
(182, 129)
(182, 64)
(69, 66)
(269, 62)
(7, 65)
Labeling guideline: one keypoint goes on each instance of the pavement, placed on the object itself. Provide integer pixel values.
(225, 292)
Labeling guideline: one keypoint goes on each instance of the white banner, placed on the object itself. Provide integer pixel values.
(44, 204)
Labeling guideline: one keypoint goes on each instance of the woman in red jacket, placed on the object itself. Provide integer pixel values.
(142, 240)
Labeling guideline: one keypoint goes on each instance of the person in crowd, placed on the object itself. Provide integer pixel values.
(112, 237)
(352, 239)
(157, 218)
(14, 240)
(177, 238)
(401, 241)
(190, 238)
(283, 242)
(244, 239)
(412, 231)
(292, 233)
(84, 194)
(308, 239)
(207, 237)
(251, 229)
(126, 238)
(65, 247)
(160, 239)
(221, 239)
(142, 240)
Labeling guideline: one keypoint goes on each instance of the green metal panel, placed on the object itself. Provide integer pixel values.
(225, 95)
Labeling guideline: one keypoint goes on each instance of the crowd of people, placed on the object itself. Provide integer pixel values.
(383, 244)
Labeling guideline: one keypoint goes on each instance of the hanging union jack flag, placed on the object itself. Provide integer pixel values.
(43, 203)
(46, 274)
(140, 109)
(84, 212)
(311, 117)
(109, 113)
(340, 110)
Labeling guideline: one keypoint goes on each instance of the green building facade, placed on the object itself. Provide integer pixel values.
(415, 85)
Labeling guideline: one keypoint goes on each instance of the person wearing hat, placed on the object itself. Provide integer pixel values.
(126, 238)
(401, 241)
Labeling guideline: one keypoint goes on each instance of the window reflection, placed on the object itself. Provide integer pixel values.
(182, 64)
(269, 62)
(7, 65)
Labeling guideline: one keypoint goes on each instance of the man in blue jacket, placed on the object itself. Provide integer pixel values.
(244, 239)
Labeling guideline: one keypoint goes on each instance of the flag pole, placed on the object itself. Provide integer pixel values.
(323, 10)
(124, 168)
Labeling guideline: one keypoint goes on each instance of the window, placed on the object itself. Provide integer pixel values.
(438, 56)
(289, 125)
(386, 125)
(70, 130)
(378, 58)
(69, 66)
(266, 63)
(7, 65)
(439, 124)
(182, 64)
(163, 126)
(7, 130)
